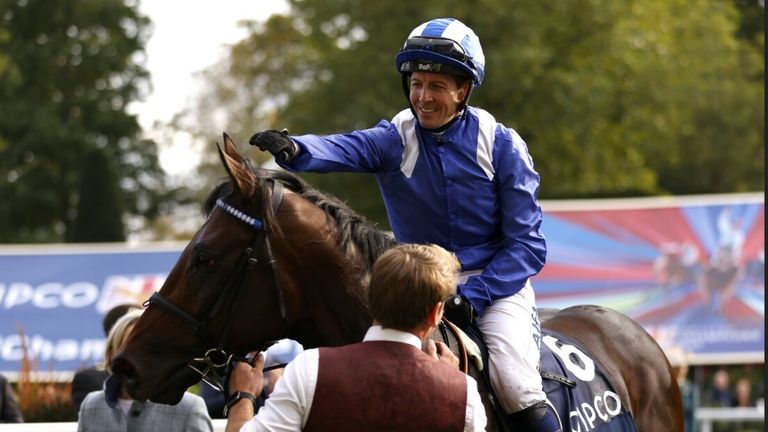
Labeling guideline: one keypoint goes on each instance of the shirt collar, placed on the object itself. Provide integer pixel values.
(450, 129)
(379, 333)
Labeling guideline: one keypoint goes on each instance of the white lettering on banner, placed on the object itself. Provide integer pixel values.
(49, 295)
(18, 293)
(42, 349)
(43, 295)
(79, 294)
(67, 350)
(585, 415)
(584, 371)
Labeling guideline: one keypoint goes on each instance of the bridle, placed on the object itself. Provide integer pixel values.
(214, 365)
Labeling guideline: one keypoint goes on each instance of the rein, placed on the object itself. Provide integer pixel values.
(215, 363)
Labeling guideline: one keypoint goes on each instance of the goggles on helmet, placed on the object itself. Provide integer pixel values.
(443, 46)
(431, 66)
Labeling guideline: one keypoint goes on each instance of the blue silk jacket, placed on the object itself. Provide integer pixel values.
(471, 189)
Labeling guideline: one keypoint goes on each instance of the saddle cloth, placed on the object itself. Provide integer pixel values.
(589, 403)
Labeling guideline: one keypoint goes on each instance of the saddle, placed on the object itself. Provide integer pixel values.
(575, 384)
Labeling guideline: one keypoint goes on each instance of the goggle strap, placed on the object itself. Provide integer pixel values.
(434, 67)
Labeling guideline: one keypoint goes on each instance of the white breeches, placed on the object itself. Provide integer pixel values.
(512, 333)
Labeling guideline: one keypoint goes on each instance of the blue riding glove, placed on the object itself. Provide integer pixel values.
(459, 311)
(275, 142)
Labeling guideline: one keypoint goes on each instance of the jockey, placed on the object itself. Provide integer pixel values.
(451, 175)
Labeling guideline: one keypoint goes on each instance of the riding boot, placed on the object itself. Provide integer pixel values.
(539, 417)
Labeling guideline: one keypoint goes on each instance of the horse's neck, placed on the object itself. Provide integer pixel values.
(333, 275)
(336, 307)
(335, 321)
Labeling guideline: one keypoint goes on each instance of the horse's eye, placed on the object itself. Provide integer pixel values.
(204, 260)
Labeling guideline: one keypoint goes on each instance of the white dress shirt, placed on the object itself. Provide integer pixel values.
(287, 408)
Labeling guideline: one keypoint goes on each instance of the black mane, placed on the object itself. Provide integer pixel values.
(357, 235)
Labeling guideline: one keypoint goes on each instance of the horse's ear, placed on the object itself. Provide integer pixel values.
(237, 167)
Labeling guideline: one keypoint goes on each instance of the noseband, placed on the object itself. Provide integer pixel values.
(215, 363)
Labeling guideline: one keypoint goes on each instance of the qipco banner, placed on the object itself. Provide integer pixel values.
(52, 299)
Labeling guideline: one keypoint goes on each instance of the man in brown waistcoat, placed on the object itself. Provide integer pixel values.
(385, 382)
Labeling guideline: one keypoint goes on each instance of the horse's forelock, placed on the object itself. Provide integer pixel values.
(220, 191)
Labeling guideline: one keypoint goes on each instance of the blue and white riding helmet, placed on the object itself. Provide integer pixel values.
(443, 45)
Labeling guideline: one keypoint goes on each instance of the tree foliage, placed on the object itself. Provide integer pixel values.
(68, 70)
(97, 191)
(637, 97)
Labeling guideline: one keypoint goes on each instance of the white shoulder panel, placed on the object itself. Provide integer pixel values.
(486, 135)
(405, 122)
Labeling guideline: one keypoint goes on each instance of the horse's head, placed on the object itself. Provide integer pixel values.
(268, 263)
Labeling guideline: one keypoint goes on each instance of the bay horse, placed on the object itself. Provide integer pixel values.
(278, 259)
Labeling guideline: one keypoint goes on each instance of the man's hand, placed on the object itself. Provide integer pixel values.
(440, 351)
(275, 142)
(248, 378)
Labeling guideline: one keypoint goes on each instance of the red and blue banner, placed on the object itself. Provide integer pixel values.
(690, 270)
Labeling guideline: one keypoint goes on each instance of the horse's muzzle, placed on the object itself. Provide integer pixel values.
(144, 383)
(124, 370)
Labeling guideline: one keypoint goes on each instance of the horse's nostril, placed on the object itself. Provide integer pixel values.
(124, 370)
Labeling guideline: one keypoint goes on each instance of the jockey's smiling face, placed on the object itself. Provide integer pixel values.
(435, 98)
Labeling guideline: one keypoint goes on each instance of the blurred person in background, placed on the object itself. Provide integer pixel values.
(9, 407)
(743, 397)
(721, 394)
(92, 378)
(689, 390)
(743, 393)
(113, 410)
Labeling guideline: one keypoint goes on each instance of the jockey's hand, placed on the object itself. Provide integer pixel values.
(459, 311)
(275, 142)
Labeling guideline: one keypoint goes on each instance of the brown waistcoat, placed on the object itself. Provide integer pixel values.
(386, 386)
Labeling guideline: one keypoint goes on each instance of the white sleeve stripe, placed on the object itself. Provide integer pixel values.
(405, 122)
(486, 135)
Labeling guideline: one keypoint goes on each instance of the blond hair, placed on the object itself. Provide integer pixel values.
(118, 335)
(407, 281)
